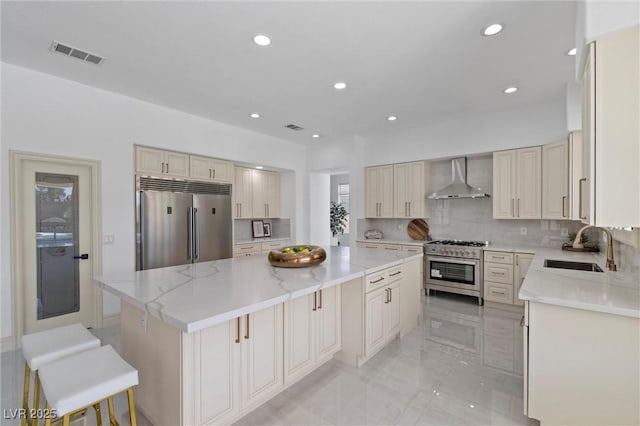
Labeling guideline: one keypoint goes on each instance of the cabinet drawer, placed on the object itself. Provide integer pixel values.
(497, 272)
(376, 280)
(391, 247)
(495, 292)
(394, 274)
(412, 249)
(268, 246)
(246, 249)
(368, 245)
(498, 257)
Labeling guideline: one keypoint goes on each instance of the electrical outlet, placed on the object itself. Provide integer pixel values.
(143, 321)
(108, 239)
(564, 232)
(523, 230)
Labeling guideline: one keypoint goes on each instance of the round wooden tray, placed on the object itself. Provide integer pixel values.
(418, 229)
(315, 256)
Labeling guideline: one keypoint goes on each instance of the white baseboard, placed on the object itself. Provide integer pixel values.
(111, 321)
(6, 344)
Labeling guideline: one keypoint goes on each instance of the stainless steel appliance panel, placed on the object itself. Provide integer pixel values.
(165, 221)
(212, 227)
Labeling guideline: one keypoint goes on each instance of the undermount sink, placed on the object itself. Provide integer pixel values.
(577, 266)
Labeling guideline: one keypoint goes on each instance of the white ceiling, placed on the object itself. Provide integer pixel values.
(421, 61)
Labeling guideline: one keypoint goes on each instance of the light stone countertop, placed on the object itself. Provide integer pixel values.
(608, 292)
(196, 296)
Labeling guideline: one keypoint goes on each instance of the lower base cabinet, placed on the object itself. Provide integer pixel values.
(580, 367)
(312, 332)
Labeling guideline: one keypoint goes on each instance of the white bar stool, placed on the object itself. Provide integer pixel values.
(86, 379)
(47, 346)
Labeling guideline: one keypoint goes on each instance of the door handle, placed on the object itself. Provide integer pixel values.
(564, 198)
(189, 234)
(518, 207)
(196, 240)
(246, 335)
(320, 302)
(512, 211)
(315, 301)
(161, 167)
(238, 330)
(580, 198)
(167, 167)
(83, 256)
(390, 295)
(214, 173)
(209, 172)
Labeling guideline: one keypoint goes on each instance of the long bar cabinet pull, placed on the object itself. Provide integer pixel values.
(315, 301)
(512, 212)
(320, 303)
(564, 198)
(390, 295)
(246, 335)
(238, 330)
(580, 198)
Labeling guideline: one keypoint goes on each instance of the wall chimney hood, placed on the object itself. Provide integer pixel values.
(458, 187)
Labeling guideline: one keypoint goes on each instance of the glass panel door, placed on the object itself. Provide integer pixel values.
(57, 245)
(452, 272)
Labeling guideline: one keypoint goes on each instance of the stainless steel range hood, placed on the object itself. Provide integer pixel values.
(458, 187)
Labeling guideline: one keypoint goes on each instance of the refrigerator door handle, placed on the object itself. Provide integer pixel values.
(189, 235)
(196, 241)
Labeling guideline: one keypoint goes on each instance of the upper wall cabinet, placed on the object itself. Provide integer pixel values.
(611, 135)
(555, 181)
(159, 162)
(256, 193)
(409, 180)
(378, 191)
(212, 169)
(517, 183)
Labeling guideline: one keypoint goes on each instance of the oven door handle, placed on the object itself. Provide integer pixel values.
(455, 260)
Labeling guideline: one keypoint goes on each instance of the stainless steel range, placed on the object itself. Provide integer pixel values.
(454, 266)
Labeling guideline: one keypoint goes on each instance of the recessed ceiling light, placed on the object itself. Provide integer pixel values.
(340, 85)
(315, 136)
(510, 90)
(572, 52)
(492, 29)
(255, 115)
(259, 167)
(262, 40)
(392, 118)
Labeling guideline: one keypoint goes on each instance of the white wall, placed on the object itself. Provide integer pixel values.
(319, 209)
(597, 18)
(574, 106)
(45, 114)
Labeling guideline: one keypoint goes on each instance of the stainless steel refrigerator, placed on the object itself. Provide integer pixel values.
(180, 222)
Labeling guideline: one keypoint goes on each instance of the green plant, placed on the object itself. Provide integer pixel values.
(337, 218)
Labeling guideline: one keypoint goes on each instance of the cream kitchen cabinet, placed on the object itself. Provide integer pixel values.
(580, 367)
(239, 365)
(522, 264)
(409, 182)
(517, 184)
(158, 162)
(382, 317)
(265, 199)
(611, 151)
(575, 173)
(555, 181)
(242, 193)
(504, 273)
(247, 249)
(312, 332)
(211, 169)
(256, 194)
(267, 246)
(378, 191)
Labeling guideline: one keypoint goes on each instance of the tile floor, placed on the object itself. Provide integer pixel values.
(462, 365)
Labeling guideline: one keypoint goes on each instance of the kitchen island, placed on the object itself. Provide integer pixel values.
(581, 334)
(214, 340)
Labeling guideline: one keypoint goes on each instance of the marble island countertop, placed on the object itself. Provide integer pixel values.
(608, 292)
(196, 296)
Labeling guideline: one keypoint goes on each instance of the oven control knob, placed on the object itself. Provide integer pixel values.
(459, 252)
(468, 253)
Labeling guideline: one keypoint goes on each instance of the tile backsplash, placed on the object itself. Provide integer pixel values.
(280, 228)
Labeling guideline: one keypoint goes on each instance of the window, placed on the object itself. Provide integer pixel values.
(343, 198)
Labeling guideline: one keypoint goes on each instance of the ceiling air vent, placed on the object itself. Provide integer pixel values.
(294, 127)
(67, 50)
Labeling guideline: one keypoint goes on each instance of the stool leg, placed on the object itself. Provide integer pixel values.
(36, 397)
(47, 419)
(112, 416)
(132, 407)
(25, 395)
(96, 407)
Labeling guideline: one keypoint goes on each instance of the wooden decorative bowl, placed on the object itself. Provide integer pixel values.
(286, 257)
